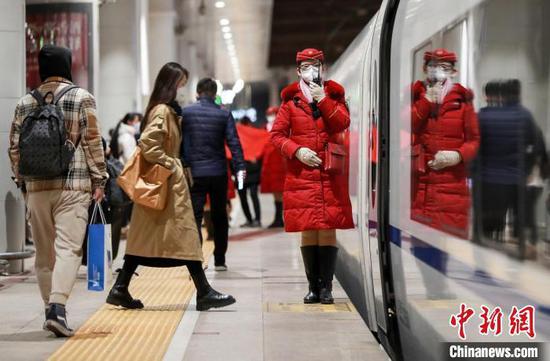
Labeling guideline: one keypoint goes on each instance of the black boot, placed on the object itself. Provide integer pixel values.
(207, 297)
(327, 265)
(278, 222)
(311, 264)
(119, 294)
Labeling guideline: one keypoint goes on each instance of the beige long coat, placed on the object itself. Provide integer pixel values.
(171, 232)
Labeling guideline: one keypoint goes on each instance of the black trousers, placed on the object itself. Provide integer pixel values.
(216, 188)
(196, 271)
(253, 188)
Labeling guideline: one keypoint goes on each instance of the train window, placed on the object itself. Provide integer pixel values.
(479, 122)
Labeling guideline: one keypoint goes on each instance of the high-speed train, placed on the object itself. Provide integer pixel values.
(407, 275)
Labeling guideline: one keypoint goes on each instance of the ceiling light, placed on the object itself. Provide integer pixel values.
(228, 96)
(224, 22)
(220, 87)
(227, 36)
(239, 85)
(226, 29)
(219, 4)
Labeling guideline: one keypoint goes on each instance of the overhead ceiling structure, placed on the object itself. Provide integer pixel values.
(330, 25)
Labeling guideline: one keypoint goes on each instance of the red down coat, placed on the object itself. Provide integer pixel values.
(273, 170)
(312, 198)
(441, 198)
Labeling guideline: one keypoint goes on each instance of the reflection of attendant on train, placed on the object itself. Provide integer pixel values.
(273, 172)
(312, 115)
(445, 137)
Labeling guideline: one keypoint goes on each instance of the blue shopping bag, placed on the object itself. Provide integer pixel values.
(99, 252)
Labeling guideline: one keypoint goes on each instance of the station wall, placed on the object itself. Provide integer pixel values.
(12, 78)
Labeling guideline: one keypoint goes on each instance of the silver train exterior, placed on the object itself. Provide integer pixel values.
(405, 296)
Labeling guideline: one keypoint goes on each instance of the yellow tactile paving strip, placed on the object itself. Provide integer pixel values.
(113, 333)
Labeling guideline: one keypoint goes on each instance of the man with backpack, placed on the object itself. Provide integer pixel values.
(57, 160)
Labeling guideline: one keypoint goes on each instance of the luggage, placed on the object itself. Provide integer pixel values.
(44, 148)
(100, 257)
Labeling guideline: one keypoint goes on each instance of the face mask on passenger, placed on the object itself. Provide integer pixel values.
(137, 126)
(270, 118)
(180, 96)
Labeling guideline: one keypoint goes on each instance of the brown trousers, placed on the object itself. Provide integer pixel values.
(58, 222)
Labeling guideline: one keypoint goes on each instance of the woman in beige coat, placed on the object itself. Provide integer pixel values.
(169, 237)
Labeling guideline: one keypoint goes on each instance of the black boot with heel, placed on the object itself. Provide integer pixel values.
(327, 266)
(119, 294)
(207, 297)
(311, 264)
(278, 221)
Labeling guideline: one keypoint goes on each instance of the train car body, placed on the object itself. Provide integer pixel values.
(407, 273)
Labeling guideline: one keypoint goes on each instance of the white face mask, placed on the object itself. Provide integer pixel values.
(270, 118)
(137, 126)
(309, 74)
(180, 96)
(437, 73)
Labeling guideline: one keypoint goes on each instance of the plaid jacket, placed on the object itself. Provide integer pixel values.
(87, 170)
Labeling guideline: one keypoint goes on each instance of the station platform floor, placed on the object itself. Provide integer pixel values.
(268, 322)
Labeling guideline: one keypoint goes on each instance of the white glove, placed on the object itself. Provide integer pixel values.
(444, 159)
(317, 92)
(308, 157)
(433, 92)
(241, 176)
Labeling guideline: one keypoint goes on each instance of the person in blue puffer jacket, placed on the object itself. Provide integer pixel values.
(206, 128)
(506, 158)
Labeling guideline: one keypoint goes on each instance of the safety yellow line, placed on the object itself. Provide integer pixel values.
(113, 333)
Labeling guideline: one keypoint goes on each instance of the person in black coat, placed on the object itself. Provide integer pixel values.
(205, 129)
(508, 139)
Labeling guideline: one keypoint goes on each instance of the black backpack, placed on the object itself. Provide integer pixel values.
(44, 148)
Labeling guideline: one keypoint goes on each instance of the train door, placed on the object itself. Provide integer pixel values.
(371, 198)
(368, 190)
(378, 183)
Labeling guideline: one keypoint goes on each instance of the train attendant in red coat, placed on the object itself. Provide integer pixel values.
(273, 175)
(445, 137)
(312, 118)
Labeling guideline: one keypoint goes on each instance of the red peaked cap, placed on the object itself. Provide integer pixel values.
(440, 55)
(309, 54)
(272, 110)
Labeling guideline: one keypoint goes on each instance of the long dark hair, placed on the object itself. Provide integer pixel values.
(166, 87)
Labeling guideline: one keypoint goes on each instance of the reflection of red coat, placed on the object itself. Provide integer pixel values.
(273, 170)
(312, 198)
(441, 198)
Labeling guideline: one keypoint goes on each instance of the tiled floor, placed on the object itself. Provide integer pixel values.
(268, 322)
(265, 271)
